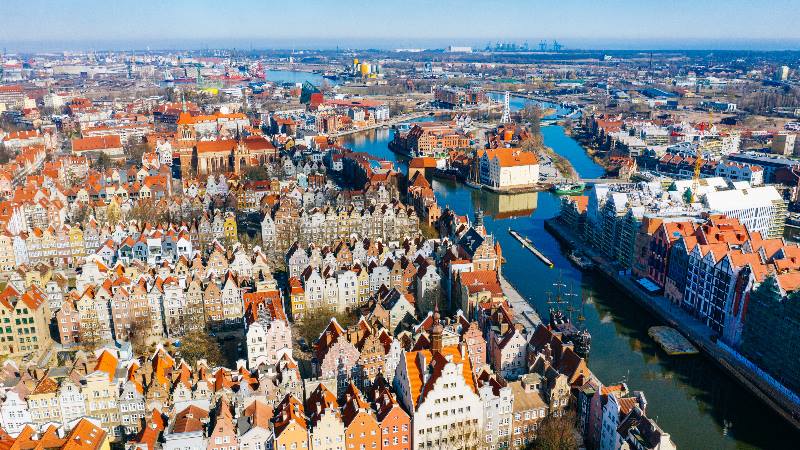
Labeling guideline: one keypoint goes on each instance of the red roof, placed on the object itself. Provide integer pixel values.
(96, 143)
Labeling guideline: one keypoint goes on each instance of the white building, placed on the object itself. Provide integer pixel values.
(14, 414)
(498, 403)
(760, 209)
(734, 171)
(438, 388)
(508, 168)
(267, 341)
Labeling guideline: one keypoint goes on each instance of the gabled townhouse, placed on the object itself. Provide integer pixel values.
(326, 428)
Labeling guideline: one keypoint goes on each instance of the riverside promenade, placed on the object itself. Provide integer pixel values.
(783, 402)
(522, 309)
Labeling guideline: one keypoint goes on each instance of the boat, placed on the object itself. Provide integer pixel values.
(582, 261)
(672, 341)
(568, 188)
(578, 336)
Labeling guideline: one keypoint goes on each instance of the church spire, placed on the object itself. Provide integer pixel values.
(437, 330)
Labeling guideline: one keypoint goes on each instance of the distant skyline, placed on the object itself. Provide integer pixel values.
(55, 25)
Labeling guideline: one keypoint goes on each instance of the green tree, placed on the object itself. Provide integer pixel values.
(196, 345)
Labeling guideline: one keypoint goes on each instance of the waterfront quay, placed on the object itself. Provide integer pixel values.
(699, 334)
(526, 314)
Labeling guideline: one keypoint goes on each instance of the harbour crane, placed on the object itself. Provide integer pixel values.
(556, 46)
(543, 46)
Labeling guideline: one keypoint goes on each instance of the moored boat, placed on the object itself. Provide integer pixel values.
(568, 188)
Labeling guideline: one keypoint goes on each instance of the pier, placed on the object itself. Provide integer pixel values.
(522, 309)
(527, 244)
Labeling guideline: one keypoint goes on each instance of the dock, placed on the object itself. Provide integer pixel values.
(522, 309)
(529, 245)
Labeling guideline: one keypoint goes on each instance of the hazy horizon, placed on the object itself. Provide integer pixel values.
(261, 44)
(50, 25)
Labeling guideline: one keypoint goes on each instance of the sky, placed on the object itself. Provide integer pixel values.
(587, 24)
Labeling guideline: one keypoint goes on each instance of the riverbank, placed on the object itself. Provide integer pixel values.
(592, 152)
(699, 404)
(696, 332)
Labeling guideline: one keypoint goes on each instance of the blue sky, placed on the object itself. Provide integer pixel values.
(59, 24)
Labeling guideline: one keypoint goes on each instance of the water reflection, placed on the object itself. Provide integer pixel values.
(502, 206)
(701, 407)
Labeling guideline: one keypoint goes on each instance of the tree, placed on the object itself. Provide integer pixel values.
(532, 113)
(556, 433)
(139, 335)
(81, 213)
(317, 319)
(144, 211)
(102, 162)
(135, 152)
(197, 344)
(430, 299)
(256, 173)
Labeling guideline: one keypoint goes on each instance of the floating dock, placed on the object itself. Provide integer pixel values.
(672, 341)
(529, 245)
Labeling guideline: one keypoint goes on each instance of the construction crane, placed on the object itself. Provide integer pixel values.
(698, 161)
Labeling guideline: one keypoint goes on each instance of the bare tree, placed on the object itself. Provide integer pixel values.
(556, 433)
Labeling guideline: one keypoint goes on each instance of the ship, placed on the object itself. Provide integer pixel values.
(582, 261)
(568, 188)
(577, 335)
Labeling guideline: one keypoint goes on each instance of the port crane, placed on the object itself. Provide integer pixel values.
(543, 46)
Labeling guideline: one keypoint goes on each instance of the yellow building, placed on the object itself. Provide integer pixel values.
(297, 298)
(229, 227)
(23, 322)
(43, 402)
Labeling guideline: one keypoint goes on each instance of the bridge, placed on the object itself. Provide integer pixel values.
(588, 181)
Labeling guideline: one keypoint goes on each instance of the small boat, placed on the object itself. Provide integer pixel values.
(582, 261)
(569, 188)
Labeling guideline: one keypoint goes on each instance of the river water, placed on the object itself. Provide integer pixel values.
(690, 398)
(294, 76)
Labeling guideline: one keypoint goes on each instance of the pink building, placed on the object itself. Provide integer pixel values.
(508, 351)
(69, 329)
(223, 435)
(476, 346)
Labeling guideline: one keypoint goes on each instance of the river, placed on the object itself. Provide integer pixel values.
(294, 76)
(690, 398)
